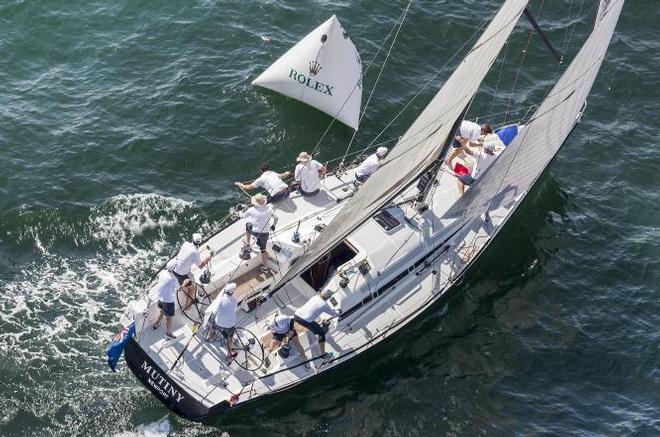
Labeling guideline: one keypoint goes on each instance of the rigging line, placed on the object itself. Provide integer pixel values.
(499, 76)
(522, 60)
(568, 26)
(570, 36)
(440, 70)
(568, 85)
(382, 68)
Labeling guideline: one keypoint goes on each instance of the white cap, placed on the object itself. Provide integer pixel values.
(171, 264)
(381, 151)
(230, 288)
(469, 130)
(197, 238)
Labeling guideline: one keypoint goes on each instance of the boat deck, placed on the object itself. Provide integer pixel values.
(203, 369)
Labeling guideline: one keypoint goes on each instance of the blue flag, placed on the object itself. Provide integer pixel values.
(118, 343)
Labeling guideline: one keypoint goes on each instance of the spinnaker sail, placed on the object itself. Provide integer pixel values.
(323, 70)
(421, 144)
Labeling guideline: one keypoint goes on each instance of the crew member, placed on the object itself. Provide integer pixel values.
(308, 174)
(261, 219)
(470, 134)
(283, 328)
(187, 257)
(369, 165)
(167, 287)
(221, 315)
(306, 316)
(270, 181)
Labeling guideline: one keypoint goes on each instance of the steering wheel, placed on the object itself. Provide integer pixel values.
(199, 303)
(250, 352)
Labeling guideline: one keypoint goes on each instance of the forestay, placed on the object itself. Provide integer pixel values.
(523, 161)
(421, 144)
(323, 70)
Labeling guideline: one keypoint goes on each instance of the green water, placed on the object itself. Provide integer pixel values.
(124, 124)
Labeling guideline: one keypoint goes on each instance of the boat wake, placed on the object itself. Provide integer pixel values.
(60, 310)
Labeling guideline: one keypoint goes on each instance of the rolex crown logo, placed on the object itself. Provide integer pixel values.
(314, 68)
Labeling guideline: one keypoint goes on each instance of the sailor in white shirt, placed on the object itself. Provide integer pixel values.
(283, 328)
(221, 316)
(261, 219)
(470, 134)
(187, 257)
(306, 316)
(270, 181)
(470, 131)
(483, 156)
(308, 174)
(370, 165)
(167, 287)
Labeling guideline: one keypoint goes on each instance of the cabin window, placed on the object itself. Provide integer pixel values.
(319, 273)
(386, 220)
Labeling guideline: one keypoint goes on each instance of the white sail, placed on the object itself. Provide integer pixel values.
(524, 160)
(421, 144)
(323, 70)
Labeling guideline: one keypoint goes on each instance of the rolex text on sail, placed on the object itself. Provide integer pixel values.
(311, 83)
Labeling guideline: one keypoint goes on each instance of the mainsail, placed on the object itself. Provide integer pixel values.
(422, 142)
(523, 161)
(323, 70)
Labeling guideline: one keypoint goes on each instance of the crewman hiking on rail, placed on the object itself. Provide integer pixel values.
(307, 175)
(187, 257)
(167, 287)
(221, 316)
(369, 165)
(261, 219)
(270, 181)
(306, 316)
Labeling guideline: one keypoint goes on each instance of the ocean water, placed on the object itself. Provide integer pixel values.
(123, 125)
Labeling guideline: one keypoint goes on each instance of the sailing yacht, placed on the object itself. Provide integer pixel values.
(381, 254)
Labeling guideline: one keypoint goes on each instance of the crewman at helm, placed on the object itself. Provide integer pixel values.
(221, 316)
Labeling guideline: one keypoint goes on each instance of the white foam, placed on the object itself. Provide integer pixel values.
(160, 428)
(64, 302)
(121, 218)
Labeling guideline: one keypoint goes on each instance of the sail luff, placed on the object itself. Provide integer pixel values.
(422, 142)
(524, 160)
